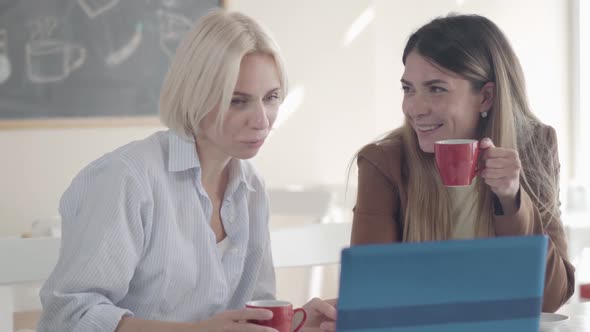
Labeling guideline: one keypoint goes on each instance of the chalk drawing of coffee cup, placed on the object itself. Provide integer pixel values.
(52, 60)
(172, 22)
(93, 8)
(170, 42)
(173, 27)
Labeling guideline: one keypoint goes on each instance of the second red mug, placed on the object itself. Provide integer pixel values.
(456, 160)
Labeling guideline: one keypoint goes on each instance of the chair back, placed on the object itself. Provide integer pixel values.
(309, 245)
(293, 202)
(24, 260)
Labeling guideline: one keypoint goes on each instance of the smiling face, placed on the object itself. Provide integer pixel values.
(439, 104)
(253, 110)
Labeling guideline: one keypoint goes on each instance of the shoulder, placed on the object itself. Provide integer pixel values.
(549, 151)
(150, 152)
(118, 178)
(540, 134)
(544, 140)
(132, 159)
(385, 154)
(548, 134)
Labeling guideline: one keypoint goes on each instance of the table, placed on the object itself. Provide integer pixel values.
(579, 321)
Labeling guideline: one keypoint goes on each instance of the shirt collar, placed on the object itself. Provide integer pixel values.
(183, 156)
(237, 176)
(182, 153)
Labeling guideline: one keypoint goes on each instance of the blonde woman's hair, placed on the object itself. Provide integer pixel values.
(205, 69)
(476, 49)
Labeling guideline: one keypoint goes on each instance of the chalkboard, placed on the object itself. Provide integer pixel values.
(88, 58)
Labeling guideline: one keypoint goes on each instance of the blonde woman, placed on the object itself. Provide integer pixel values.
(463, 80)
(170, 233)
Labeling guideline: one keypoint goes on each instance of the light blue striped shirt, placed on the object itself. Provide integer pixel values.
(136, 240)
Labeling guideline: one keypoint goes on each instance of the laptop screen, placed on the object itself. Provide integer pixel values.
(493, 284)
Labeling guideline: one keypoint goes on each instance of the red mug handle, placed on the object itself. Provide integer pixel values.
(479, 153)
(300, 325)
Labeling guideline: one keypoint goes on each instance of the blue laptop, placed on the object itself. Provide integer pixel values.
(482, 285)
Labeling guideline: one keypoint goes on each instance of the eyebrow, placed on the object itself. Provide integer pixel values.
(427, 83)
(238, 93)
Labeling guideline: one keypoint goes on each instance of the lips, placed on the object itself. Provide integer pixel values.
(254, 141)
(424, 128)
(254, 144)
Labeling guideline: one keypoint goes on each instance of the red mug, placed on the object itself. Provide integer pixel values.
(283, 314)
(456, 160)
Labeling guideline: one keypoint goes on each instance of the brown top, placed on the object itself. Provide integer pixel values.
(382, 199)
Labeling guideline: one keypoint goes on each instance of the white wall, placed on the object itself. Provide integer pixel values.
(351, 94)
(38, 165)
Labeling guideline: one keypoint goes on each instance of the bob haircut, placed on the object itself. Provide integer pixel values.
(205, 69)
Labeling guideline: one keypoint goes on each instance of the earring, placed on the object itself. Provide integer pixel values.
(484, 114)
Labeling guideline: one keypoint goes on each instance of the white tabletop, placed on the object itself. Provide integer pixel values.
(579, 321)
